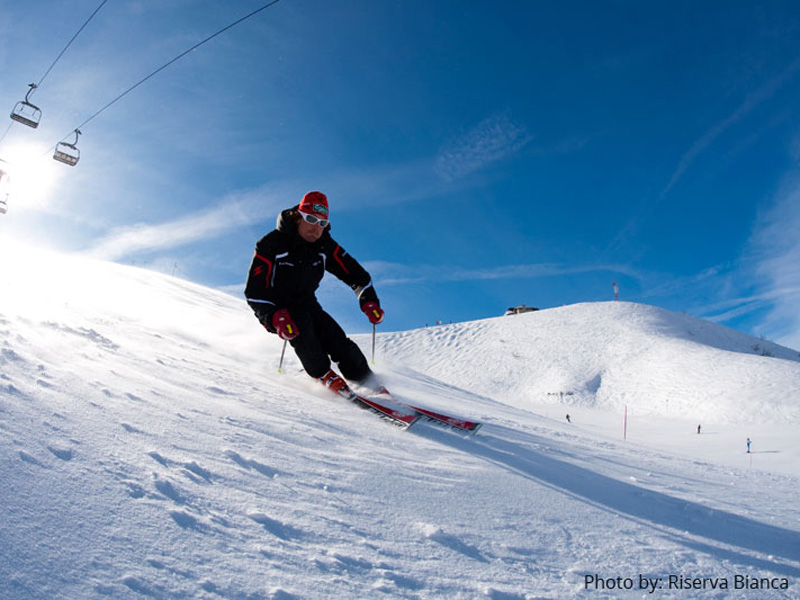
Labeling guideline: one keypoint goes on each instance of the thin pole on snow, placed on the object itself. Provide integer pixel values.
(625, 424)
(283, 351)
(373, 343)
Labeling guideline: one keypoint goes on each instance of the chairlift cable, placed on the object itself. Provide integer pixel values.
(5, 133)
(35, 86)
(177, 58)
(77, 33)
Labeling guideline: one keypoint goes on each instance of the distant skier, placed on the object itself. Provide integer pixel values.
(568, 419)
(698, 430)
(748, 445)
(286, 270)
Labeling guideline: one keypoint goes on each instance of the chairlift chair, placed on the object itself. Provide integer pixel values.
(68, 153)
(25, 112)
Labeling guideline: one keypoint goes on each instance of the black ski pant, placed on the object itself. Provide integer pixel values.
(321, 340)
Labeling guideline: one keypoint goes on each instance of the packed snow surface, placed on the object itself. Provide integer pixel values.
(150, 449)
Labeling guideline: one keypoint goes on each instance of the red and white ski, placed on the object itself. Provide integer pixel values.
(396, 416)
(404, 415)
(449, 420)
(457, 423)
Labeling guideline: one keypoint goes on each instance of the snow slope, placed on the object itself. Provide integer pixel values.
(609, 355)
(149, 449)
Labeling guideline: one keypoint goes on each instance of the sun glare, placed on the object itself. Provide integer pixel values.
(33, 175)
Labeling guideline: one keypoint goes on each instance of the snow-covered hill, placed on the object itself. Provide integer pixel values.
(609, 355)
(148, 448)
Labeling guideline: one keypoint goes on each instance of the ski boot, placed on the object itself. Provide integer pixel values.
(336, 384)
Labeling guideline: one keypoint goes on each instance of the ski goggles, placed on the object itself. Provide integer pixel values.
(312, 220)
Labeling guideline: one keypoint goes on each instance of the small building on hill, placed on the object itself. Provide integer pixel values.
(518, 310)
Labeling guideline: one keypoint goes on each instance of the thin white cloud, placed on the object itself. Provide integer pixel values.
(648, 206)
(491, 140)
(379, 185)
(752, 101)
(347, 191)
(776, 248)
(664, 285)
(230, 214)
(386, 273)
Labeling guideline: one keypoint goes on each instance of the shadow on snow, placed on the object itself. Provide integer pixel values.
(674, 515)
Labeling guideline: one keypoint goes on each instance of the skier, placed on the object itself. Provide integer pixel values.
(748, 445)
(287, 267)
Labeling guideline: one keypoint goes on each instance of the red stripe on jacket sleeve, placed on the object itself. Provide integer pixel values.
(269, 268)
(339, 260)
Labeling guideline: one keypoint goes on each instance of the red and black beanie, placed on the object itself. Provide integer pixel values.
(315, 203)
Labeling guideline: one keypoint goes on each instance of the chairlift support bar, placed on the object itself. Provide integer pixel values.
(26, 112)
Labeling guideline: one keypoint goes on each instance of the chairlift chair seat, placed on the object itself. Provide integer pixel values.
(67, 154)
(27, 114)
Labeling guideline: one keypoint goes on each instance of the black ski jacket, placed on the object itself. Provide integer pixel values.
(286, 270)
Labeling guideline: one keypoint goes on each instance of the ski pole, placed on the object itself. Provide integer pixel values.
(280, 365)
(373, 343)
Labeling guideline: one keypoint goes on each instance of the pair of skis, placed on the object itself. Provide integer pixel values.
(404, 415)
(401, 414)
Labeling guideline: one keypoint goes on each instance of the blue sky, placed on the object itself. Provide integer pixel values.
(477, 155)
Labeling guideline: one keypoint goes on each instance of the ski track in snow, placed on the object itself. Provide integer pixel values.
(145, 454)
